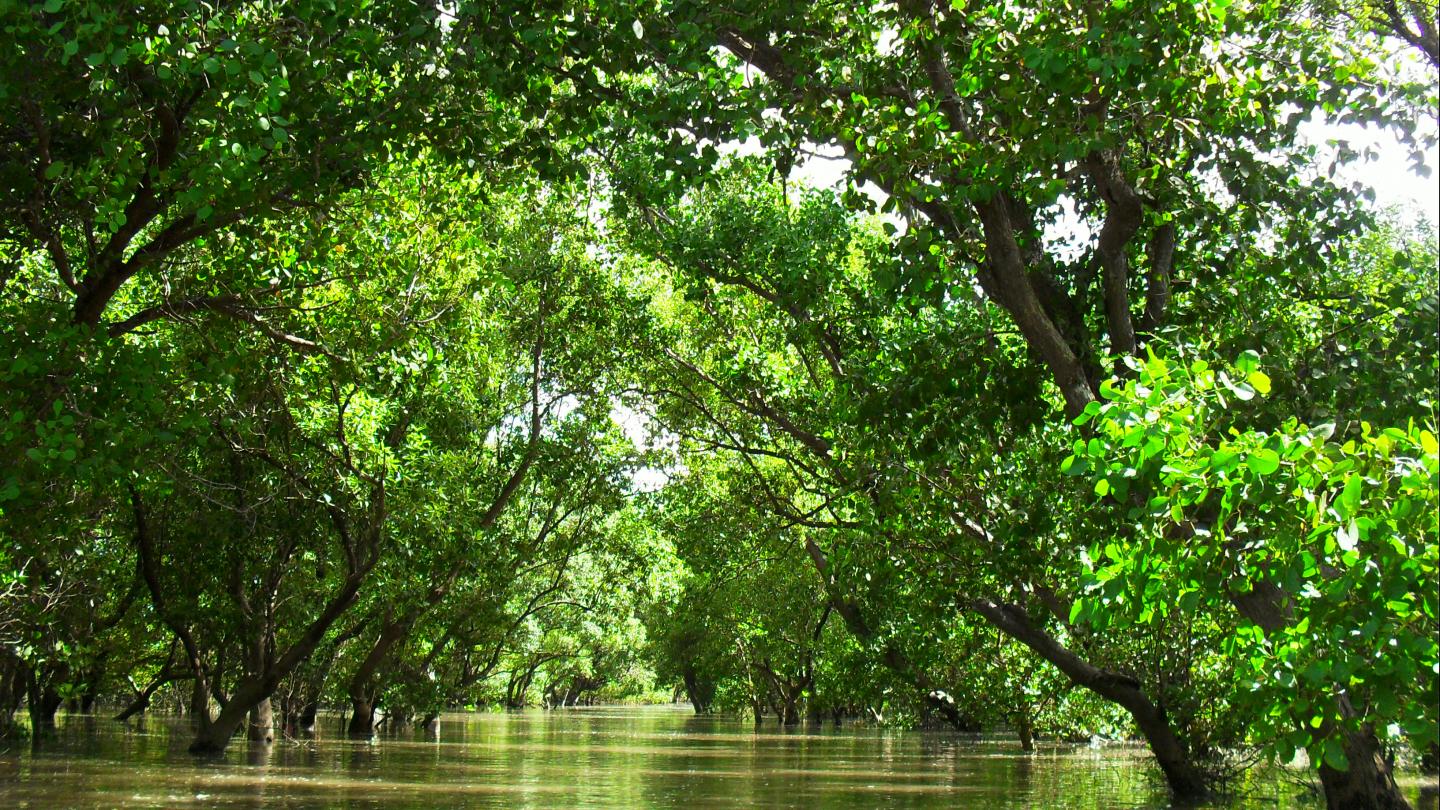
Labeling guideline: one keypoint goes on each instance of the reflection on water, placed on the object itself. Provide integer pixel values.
(592, 758)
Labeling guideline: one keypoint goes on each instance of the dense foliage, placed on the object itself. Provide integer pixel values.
(396, 358)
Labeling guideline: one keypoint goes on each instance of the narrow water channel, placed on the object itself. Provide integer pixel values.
(661, 757)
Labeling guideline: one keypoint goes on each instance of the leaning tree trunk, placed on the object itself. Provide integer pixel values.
(200, 703)
(214, 737)
(260, 686)
(304, 721)
(362, 687)
(1185, 779)
(142, 698)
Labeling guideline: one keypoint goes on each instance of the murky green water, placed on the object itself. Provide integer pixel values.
(591, 758)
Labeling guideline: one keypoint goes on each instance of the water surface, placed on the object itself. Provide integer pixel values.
(656, 757)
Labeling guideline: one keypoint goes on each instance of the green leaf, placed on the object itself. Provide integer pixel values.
(1263, 461)
(1335, 756)
(1349, 501)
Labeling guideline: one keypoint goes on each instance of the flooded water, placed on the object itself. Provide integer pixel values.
(661, 757)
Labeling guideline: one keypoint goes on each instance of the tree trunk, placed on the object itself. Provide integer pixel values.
(143, 697)
(12, 689)
(700, 692)
(397, 720)
(214, 737)
(307, 717)
(1185, 779)
(1025, 730)
(362, 718)
(791, 715)
(200, 703)
(300, 721)
(261, 727)
(44, 703)
(1368, 784)
(362, 688)
(260, 686)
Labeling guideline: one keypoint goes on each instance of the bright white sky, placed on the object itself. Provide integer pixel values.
(1390, 174)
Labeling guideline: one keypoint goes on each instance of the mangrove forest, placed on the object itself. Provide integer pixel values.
(809, 385)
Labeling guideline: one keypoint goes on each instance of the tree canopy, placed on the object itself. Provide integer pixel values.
(401, 357)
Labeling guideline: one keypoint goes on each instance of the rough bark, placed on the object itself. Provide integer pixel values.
(1007, 281)
(1157, 278)
(200, 703)
(214, 737)
(790, 716)
(1123, 217)
(1415, 21)
(1368, 784)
